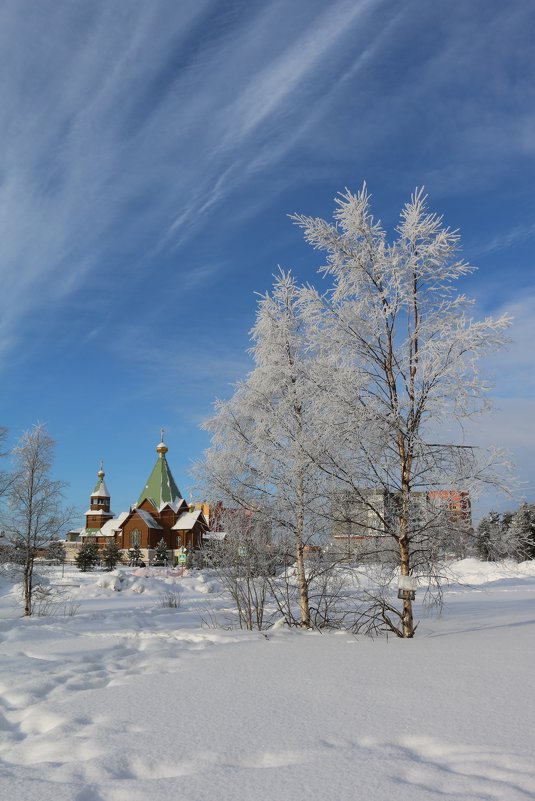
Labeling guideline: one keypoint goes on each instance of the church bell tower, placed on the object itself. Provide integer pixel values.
(99, 508)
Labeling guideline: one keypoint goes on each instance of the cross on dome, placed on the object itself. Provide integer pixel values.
(161, 447)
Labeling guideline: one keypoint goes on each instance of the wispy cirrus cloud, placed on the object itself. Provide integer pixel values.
(513, 369)
(127, 128)
(511, 237)
(188, 378)
(121, 124)
(510, 424)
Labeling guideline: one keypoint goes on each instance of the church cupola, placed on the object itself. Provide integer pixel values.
(161, 448)
(99, 507)
(100, 497)
(161, 488)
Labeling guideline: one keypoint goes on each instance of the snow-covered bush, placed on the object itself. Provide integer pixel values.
(169, 599)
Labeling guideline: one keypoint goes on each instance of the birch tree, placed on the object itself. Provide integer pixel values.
(36, 515)
(261, 438)
(399, 352)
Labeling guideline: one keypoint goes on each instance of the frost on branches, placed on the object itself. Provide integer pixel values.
(260, 458)
(360, 393)
(399, 353)
(35, 515)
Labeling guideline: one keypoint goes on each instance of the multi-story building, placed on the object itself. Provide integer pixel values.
(367, 514)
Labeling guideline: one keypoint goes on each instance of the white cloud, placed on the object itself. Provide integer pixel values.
(510, 424)
(518, 234)
(93, 122)
(513, 369)
(125, 128)
(268, 90)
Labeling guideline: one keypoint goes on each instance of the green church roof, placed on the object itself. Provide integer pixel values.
(160, 487)
(101, 489)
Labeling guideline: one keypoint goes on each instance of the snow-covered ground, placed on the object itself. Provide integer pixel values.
(127, 700)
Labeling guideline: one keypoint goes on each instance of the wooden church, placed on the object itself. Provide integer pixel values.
(160, 513)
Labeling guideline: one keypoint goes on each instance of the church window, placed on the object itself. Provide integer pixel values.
(135, 537)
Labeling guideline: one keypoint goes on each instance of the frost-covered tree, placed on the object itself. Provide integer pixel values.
(262, 439)
(491, 536)
(522, 532)
(510, 535)
(35, 513)
(244, 561)
(399, 350)
(160, 553)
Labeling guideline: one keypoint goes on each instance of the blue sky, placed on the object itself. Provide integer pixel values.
(150, 155)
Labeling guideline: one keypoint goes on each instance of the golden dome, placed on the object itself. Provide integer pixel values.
(161, 448)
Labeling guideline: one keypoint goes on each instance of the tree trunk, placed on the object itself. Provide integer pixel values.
(404, 557)
(406, 615)
(303, 589)
(27, 589)
(299, 548)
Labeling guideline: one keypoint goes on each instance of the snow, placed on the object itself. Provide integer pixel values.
(147, 518)
(187, 520)
(101, 492)
(128, 700)
(217, 536)
(174, 505)
(111, 526)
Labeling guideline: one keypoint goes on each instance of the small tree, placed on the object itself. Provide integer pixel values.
(87, 557)
(135, 556)
(245, 561)
(35, 504)
(160, 554)
(56, 551)
(262, 457)
(111, 555)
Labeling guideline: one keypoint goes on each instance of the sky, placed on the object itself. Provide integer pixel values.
(150, 154)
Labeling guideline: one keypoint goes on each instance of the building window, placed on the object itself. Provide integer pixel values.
(135, 537)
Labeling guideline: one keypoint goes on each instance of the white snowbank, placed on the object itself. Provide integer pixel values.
(471, 571)
(129, 701)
